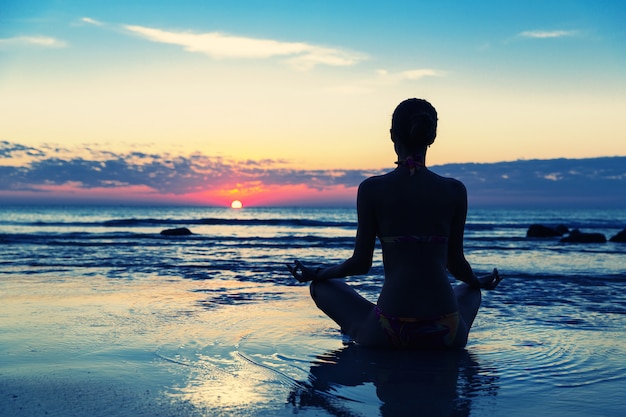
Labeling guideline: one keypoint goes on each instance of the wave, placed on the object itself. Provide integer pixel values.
(132, 239)
(582, 279)
(301, 223)
(139, 222)
(489, 243)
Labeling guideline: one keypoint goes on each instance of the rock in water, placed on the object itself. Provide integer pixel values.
(620, 237)
(181, 231)
(576, 236)
(539, 230)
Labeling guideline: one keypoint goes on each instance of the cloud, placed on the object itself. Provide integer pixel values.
(44, 41)
(14, 150)
(592, 182)
(547, 34)
(384, 78)
(300, 55)
(25, 168)
(47, 169)
(91, 21)
(411, 75)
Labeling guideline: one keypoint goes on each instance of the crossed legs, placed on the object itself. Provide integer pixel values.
(352, 312)
(356, 317)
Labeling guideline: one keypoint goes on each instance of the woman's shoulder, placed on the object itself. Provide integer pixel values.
(376, 179)
(375, 185)
(445, 181)
(390, 181)
(452, 182)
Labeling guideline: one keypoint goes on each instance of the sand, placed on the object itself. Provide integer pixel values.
(156, 346)
(91, 346)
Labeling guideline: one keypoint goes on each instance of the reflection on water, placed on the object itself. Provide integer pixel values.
(282, 358)
(405, 382)
(268, 351)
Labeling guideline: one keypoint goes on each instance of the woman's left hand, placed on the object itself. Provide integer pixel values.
(301, 272)
(491, 281)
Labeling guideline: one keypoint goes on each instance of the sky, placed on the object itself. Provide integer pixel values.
(287, 102)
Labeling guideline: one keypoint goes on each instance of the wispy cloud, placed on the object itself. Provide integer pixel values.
(547, 34)
(91, 21)
(411, 75)
(217, 45)
(43, 41)
(383, 77)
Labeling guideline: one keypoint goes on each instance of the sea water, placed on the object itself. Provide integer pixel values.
(552, 331)
(254, 243)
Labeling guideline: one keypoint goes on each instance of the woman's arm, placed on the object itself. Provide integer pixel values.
(457, 264)
(361, 260)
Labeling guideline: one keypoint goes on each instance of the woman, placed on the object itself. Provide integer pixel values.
(419, 218)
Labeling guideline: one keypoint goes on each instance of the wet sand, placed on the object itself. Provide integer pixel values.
(93, 346)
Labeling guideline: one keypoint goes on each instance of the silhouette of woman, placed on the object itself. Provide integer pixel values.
(419, 218)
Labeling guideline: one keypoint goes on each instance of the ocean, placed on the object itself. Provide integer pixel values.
(550, 338)
(254, 243)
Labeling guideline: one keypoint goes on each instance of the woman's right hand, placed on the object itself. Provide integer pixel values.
(490, 281)
(301, 272)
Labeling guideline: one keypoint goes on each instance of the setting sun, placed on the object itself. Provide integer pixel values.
(236, 204)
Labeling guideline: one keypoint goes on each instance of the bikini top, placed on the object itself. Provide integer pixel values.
(414, 239)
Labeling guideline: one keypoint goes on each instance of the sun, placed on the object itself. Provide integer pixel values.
(236, 204)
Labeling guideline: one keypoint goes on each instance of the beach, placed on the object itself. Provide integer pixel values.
(140, 348)
(92, 325)
(122, 348)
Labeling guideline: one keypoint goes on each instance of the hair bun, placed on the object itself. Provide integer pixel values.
(414, 124)
(423, 128)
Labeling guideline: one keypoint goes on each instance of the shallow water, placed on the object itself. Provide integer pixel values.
(212, 346)
(214, 324)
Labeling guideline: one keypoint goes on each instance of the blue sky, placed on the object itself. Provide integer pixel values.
(310, 85)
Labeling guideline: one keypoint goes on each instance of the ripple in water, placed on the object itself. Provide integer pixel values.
(555, 352)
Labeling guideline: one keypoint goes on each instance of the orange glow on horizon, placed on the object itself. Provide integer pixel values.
(257, 196)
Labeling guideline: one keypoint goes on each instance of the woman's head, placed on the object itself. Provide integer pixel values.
(414, 124)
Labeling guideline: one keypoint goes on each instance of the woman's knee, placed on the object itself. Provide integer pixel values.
(469, 300)
(318, 289)
(468, 295)
(313, 289)
(321, 288)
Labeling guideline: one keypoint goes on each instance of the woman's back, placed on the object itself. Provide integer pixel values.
(416, 217)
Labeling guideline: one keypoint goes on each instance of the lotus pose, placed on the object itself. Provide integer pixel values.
(419, 218)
